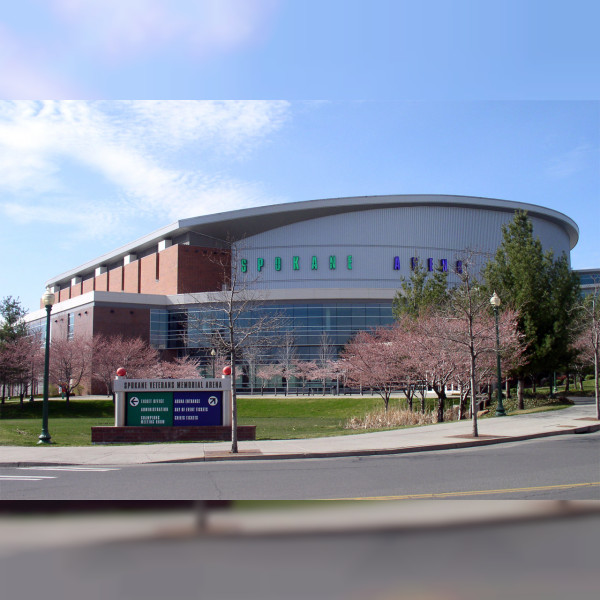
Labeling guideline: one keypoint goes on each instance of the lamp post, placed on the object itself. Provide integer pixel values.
(495, 302)
(47, 300)
(213, 354)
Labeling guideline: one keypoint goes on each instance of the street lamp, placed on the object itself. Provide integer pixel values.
(47, 300)
(495, 302)
(213, 353)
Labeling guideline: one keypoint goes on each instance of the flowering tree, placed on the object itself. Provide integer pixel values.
(588, 341)
(182, 367)
(135, 355)
(431, 355)
(20, 362)
(305, 370)
(374, 360)
(70, 362)
(268, 372)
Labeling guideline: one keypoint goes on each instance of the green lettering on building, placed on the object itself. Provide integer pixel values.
(260, 263)
(313, 264)
(349, 262)
(278, 263)
(244, 265)
(332, 263)
(296, 263)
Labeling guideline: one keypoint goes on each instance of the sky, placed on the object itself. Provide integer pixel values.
(163, 110)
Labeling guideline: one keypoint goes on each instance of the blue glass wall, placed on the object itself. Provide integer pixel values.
(191, 329)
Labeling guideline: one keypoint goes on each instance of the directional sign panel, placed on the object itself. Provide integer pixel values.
(149, 408)
(198, 408)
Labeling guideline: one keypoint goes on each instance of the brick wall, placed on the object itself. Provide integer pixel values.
(131, 277)
(87, 286)
(103, 435)
(115, 280)
(130, 322)
(202, 269)
(178, 269)
(101, 282)
(163, 264)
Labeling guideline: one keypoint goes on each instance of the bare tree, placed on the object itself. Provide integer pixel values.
(287, 358)
(235, 318)
(470, 327)
(326, 357)
(251, 355)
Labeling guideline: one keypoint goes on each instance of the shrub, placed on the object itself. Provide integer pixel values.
(396, 417)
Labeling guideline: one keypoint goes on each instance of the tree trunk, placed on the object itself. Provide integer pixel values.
(534, 384)
(234, 437)
(596, 383)
(507, 389)
(567, 382)
(462, 410)
(441, 404)
(520, 388)
(473, 397)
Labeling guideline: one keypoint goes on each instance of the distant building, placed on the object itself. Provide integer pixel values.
(330, 266)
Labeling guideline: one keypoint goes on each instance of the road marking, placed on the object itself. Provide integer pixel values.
(478, 492)
(27, 477)
(93, 469)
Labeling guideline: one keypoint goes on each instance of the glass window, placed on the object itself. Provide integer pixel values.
(70, 326)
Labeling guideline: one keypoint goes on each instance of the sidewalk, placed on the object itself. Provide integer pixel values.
(575, 419)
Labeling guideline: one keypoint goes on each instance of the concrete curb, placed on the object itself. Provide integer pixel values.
(386, 451)
(227, 456)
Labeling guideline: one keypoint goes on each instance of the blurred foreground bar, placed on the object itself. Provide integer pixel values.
(350, 550)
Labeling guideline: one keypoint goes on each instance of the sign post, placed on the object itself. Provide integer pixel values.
(172, 402)
(168, 410)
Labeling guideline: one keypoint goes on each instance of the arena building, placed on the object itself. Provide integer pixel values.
(330, 267)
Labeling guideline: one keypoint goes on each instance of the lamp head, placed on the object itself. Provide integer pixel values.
(48, 298)
(495, 300)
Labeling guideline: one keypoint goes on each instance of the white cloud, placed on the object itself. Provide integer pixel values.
(25, 71)
(99, 162)
(118, 29)
(87, 46)
(570, 162)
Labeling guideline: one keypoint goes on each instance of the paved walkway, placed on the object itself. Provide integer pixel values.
(575, 419)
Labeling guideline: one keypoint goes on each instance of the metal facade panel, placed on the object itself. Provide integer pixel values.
(374, 239)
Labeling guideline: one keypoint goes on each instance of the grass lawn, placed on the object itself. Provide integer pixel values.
(298, 417)
(275, 418)
(69, 426)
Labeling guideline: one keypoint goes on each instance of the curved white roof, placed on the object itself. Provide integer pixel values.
(237, 224)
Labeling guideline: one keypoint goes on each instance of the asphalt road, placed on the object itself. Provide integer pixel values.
(558, 468)
(538, 560)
